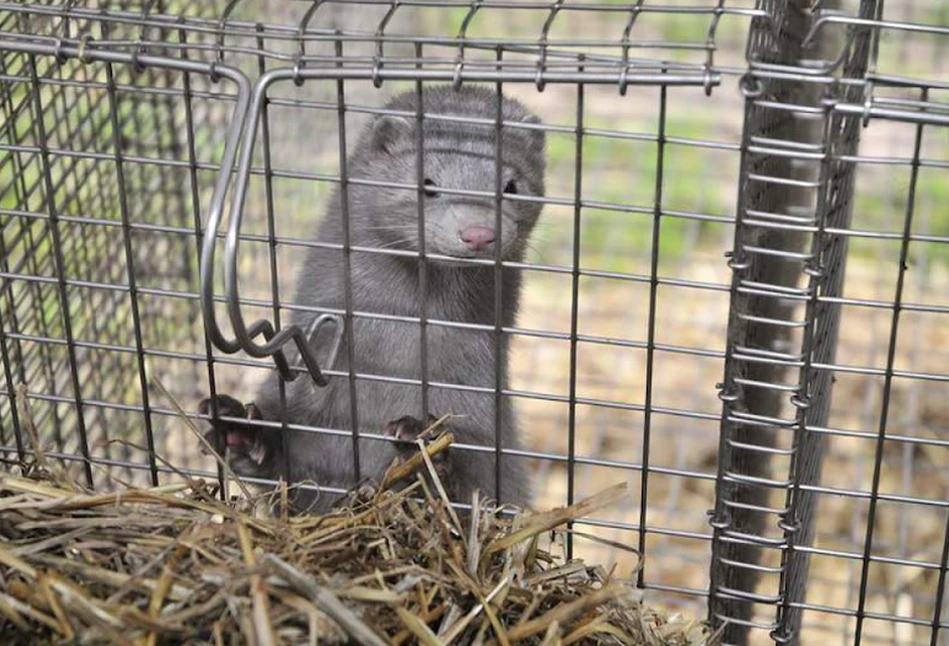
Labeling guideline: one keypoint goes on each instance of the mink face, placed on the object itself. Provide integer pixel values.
(460, 177)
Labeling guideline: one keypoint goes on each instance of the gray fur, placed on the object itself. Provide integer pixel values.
(459, 156)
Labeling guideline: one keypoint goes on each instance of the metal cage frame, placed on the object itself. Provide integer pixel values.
(808, 94)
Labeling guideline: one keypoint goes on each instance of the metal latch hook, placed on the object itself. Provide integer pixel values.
(311, 333)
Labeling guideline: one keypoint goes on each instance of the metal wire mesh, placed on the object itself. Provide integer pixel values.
(125, 132)
(95, 231)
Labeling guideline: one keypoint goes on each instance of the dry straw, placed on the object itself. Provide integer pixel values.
(393, 565)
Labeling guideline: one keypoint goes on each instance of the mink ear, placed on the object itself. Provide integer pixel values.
(536, 138)
(388, 131)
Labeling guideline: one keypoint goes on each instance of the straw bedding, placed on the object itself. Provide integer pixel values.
(393, 565)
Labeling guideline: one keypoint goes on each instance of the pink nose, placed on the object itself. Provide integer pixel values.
(477, 237)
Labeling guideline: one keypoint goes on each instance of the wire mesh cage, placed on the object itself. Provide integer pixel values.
(734, 300)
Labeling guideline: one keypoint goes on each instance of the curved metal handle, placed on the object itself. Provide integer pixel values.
(313, 329)
(245, 334)
(232, 141)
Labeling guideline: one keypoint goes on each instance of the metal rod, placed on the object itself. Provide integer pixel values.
(199, 237)
(887, 387)
(64, 300)
(651, 319)
(423, 251)
(574, 308)
(498, 333)
(123, 194)
(347, 270)
(272, 249)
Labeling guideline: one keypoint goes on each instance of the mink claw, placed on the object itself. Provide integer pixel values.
(407, 429)
(243, 442)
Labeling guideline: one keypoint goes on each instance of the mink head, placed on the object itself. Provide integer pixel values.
(460, 176)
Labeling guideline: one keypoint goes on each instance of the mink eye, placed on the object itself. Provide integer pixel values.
(428, 191)
(511, 187)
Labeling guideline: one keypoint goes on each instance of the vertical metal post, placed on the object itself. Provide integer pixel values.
(130, 268)
(199, 239)
(651, 323)
(940, 586)
(347, 265)
(574, 308)
(887, 384)
(8, 292)
(499, 377)
(766, 265)
(782, 199)
(60, 265)
(272, 246)
(422, 253)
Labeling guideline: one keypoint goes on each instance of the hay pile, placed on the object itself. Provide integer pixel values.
(173, 564)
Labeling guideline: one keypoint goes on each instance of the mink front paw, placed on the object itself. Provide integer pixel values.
(246, 446)
(406, 430)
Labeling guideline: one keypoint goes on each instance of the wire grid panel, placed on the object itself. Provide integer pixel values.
(767, 262)
(613, 225)
(641, 405)
(100, 209)
(598, 397)
(848, 91)
(607, 279)
(625, 41)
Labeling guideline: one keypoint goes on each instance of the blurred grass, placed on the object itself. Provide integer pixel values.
(624, 178)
